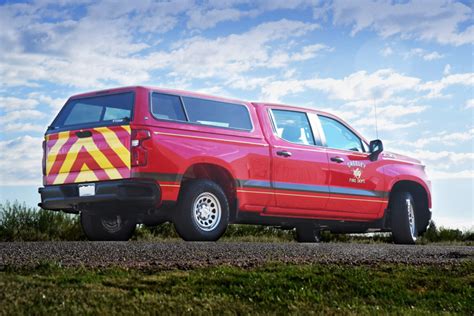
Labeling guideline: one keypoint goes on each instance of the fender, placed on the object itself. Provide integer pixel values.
(209, 160)
(426, 184)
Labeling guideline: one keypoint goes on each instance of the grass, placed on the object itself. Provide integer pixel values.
(19, 222)
(274, 288)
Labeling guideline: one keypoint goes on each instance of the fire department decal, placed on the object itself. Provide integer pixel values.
(357, 168)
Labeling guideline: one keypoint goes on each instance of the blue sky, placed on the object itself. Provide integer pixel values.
(413, 59)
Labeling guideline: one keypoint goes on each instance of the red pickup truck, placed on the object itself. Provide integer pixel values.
(142, 155)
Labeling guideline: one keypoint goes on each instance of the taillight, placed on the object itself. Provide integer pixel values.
(44, 158)
(139, 152)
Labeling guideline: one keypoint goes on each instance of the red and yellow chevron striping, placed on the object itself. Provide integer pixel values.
(103, 156)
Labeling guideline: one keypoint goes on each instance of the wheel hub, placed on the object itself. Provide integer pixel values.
(207, 211)
(112, 225)
(204, 211)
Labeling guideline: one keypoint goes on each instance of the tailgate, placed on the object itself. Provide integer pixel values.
(85, 155)
(89, 140)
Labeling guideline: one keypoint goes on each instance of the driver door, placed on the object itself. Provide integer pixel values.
(356, 183)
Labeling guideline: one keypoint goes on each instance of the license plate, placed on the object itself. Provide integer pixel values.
(86, 189)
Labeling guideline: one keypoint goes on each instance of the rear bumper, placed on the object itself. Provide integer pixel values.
(120, 194)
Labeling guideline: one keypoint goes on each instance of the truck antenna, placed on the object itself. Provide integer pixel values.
(375, 115)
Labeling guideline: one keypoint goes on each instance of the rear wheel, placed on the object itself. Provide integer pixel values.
(308, 233)
(111, 227)
(403, 212)
(203, 212)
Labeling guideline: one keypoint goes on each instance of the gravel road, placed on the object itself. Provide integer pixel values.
(182, 255)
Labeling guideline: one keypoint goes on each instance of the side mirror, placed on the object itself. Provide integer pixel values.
(375, 148)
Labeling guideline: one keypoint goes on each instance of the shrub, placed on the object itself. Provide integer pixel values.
(19, 222)
(241, 232)
(434, 234)
(162, 231)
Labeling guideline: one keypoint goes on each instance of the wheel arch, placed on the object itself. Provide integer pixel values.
(422, 199)
(216, 173)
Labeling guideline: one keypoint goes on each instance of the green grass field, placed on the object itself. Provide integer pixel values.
(270, 289)
(275, 289)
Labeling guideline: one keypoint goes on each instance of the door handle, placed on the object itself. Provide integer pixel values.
(284, 153)
(337, 159)
(84, 134)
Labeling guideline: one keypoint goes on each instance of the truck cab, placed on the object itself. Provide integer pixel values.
(146, 155)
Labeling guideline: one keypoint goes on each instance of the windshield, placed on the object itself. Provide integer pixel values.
(95, 111)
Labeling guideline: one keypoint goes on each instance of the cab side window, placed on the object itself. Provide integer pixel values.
(293, 126)
(339, 136)
(167, 107)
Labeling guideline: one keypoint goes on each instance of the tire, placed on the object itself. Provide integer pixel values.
(203, 212)
(403, 217)
(110, 228)
(308, 234)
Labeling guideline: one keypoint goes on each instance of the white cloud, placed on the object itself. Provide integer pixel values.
(386, 88)
(443, 164)
(361, 85)
(447, 70)
(23, 127)
(388, 117)
(386, 51)
(463, 174)
(359, 92)
(348, 115)
(202, 19)
(422, 53)
(13, 103)
(469, 104)
(110, 43)
(54, 103)
(383, 123)
(251, 83)
(30, 114)
(21, 115)
(24, 171)
(432, 56)
(310, 51)
(433, 20)
(94, 48)
(396, 111)
(448, 157)
(379, 85)
(286, 4)
(436, 87)
(281, 58)
(200, 57)
(98, 49)
(444, 138)
(211, 13)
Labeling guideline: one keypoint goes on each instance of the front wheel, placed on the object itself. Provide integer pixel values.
(111, 227)
(203, 212)
(403, 210)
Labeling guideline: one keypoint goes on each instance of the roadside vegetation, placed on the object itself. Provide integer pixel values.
(19, 222)
(274, 288)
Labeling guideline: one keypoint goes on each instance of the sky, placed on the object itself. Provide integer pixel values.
(411, 60)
